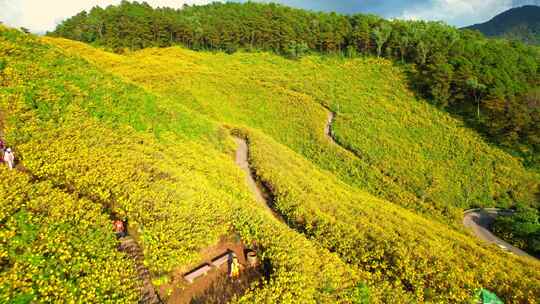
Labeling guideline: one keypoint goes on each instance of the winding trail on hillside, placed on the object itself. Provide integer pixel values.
(331, 116)
(328, 127)
(128, 245)
(480, 220)
(261, 194)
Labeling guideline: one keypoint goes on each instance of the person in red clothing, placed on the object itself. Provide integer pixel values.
(119, 228)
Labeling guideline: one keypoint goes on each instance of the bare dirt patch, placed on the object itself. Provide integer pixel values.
(215, 286)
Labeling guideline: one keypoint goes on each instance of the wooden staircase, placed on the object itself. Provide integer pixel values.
(131, 248)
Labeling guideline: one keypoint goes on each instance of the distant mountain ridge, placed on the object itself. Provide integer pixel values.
(521, 23)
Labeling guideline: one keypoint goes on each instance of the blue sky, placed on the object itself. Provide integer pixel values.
(454, 12)
(43, 15)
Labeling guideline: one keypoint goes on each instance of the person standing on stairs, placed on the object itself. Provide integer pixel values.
(9, 158)
(119, 228)
(235, 269)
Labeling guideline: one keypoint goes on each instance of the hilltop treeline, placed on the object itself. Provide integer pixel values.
(493, 84)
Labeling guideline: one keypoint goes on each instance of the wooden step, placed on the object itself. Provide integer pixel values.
(197, 272)
(147, 293)
(222, 259)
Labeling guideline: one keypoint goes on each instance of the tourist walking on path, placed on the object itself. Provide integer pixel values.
(235, 269)
(119, 228)
(9, 158)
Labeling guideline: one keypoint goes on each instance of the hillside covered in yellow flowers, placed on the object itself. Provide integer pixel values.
(374, 217)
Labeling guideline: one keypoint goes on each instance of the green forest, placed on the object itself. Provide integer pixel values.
(491, 84)
(522, 228)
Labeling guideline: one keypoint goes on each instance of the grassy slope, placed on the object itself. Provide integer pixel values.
(174, 177)
(400, 249)
(408, 152)
(49, 254)
(416, 258)
(87, 134)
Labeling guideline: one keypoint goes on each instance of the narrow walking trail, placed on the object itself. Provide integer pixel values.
(148, 294)
(330, 135)
(480, 220)
(128, 245)
(262, 195)
(328, 127)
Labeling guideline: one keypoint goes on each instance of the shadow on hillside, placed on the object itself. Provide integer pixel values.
(224, 289)
(461, 112)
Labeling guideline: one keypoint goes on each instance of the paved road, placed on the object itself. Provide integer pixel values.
(480, 220)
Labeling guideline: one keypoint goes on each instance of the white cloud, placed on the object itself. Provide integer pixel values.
(457, 12)
(44, 15)
(10, 12)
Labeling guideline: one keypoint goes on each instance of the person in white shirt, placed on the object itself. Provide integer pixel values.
(9, 158)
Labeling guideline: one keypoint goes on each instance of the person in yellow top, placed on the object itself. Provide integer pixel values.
(235, 269)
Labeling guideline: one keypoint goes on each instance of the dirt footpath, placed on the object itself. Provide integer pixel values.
(260, 192)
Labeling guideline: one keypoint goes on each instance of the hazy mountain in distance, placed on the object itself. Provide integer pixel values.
(520, 23)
